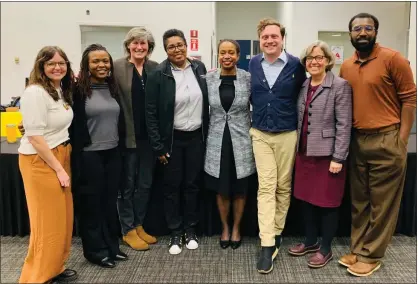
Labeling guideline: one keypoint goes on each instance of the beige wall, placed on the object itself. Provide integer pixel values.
(412, 56)
(342, 40)
(308, 18)
(238, 20)
(28, 26)
(412, 42)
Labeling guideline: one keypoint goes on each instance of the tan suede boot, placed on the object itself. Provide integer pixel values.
(136, 243)
(348, 260)
(363, 269)
(144, 236)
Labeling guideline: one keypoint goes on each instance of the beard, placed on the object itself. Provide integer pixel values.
(362, 47)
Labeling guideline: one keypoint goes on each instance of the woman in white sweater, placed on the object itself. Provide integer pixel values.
(44, 161)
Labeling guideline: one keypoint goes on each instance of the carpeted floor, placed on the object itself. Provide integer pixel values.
(211, 264)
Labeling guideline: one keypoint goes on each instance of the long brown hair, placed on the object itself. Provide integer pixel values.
(38, 76)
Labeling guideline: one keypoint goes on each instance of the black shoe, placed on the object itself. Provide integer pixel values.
(106, 262)
(191, 240)
(235, 244)
(121, 256)
(279, 240)
(265, 262)
(224, 244)
(66, 275)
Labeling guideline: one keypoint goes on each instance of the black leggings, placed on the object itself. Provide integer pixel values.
(316, 216)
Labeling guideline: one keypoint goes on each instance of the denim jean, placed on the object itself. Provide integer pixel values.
(134, 195)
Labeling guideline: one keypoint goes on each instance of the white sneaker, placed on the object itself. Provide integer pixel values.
(175, 249)
(176, 244)
(191, 240)
(192, 244)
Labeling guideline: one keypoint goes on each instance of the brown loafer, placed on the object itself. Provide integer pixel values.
(301, 249)
(348, 260)
(363, 269)
(319, 260)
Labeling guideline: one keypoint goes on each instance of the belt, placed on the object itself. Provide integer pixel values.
(378, 130)
(188, 132)
(65, 143)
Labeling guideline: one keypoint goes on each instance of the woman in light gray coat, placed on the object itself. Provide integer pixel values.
(229, 162)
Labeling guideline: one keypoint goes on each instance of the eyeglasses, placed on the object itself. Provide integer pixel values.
(172, 48)
(368, 29)
(318, 58)
(51, 64)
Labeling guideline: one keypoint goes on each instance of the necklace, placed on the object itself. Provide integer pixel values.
(66, 106)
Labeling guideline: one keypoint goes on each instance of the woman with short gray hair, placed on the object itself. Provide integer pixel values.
(324, 129)
(139, 33)
(131, 74)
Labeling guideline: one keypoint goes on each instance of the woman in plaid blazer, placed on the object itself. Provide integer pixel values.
(324, 128)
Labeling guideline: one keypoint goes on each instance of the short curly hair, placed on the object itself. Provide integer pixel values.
(270, 22)
(172, 33)
(364, 16)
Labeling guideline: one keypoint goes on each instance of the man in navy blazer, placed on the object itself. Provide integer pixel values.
(276, 78)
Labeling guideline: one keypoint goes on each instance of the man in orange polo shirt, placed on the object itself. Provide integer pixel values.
(384, 102)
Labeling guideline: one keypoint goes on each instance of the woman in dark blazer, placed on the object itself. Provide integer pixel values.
(97, 131)
(324, 128)
(131, 73)
(229, 162)
(177, 113)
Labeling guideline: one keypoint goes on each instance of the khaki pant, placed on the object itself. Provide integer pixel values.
(274, 156)
(50, 208)
(377, 175)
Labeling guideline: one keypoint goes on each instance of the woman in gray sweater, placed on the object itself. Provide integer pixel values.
(229, 162)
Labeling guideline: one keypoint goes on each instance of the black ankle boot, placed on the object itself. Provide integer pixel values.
(66, 275)
(265, 262)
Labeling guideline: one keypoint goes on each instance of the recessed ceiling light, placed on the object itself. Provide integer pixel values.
(336, 35)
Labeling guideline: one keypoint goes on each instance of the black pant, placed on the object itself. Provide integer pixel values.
(134, 195)
(96, 198)
(181, 175)
(316, 216)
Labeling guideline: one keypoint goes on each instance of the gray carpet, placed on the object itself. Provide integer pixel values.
(211, 264)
